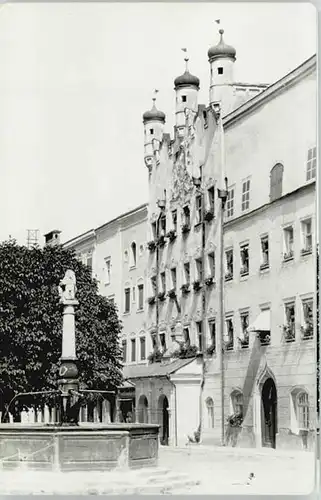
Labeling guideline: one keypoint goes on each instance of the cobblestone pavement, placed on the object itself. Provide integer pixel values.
(189, 470)
(227, 470)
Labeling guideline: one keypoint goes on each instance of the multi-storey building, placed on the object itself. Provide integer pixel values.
(215, 278)
(238, 264)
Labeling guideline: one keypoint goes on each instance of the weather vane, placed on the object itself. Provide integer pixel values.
(186, 59)
(154, 95)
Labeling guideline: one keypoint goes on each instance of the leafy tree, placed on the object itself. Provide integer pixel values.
(31, 323)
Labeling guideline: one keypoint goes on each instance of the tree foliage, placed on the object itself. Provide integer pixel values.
(31, 323)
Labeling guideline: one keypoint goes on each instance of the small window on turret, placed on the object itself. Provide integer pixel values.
(151, 131)
(220, 71)
(184, 98)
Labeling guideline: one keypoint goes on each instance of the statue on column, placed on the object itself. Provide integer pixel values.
(67, 287)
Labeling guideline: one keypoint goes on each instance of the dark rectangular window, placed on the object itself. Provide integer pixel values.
(211, 199)
(163, 281)
(187, 273)
(187, 215)
(142, 348)
(140, 296)
(163, 225)
(174, 217)
(124, 349)
(162, 338)
(220, 71)
(200, 335)
(173, 274)
(184, 98)
(186, 336)
(198, 202)
(127, 300)
(199, 269)
(133, 344)
(212, 331)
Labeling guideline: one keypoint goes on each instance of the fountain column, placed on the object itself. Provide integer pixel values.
(68, 372)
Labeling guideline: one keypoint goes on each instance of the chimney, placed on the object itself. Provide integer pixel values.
(53, 238)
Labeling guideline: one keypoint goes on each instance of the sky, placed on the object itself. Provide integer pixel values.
(76, 79)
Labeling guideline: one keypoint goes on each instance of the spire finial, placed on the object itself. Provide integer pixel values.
(186, 59)
(154, 96)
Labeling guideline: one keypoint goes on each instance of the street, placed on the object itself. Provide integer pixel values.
(189, 470)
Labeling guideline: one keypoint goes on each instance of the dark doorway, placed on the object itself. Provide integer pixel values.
(269, 414)
(164, 416)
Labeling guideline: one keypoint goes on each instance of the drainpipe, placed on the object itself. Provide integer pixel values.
(175, 405)
(222, 194)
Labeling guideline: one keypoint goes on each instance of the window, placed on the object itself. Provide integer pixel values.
(311, 163)
(307, 327)
(289, 327)
(126, 256)
(302, 405)
(107, 271)
(133, 255)
(186, 336)
(246, 195)
(154, 341)
(162, 338)
(142, 348)
(306, 230)
(124, 350)
(186, 216)
(230, 334)
(134, 294)
(211, 199)
(210, 412)
(205, 118)
(229, 264)
(244, 260)
(154, 230)
(151, 131)
(187, 273)
(237, 402)
(133, 350)
(140, 296)
(174, 219)
(163, 225)
(163, 281)
(276, 178)
(127, 300)
(244, 330)
(199, 327)
(89, 261)
(230, 203)
(220, 71)
(288, 242)
(184, 98)
(212, 332)
(264, 252)
(198, 203)
(211, 264)
(199, 270)
(173, 277)
(153, 284)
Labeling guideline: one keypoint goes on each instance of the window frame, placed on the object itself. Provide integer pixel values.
(245, 198)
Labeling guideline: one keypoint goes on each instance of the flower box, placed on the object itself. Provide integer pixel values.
(209, 281)
(156, 356)
(171, 235)
(266, 265)
(228, 276)
(209, 215)
(244, 271)
(197, 285)
(288, 333)
(161, 241)
(264, 337)
(151, 245)
(161, 296)
(185, 288)
(172, 293)
(306, 251)
(210, 350)
(151, 300)
(229, 345)
(307, 331)
(288, 255)
(244, 341)
(186, 228)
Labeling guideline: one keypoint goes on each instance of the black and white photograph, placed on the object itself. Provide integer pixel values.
(159, 251)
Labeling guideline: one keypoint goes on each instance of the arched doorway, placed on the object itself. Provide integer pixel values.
(143, 410)
(164, 419)
(269, 413)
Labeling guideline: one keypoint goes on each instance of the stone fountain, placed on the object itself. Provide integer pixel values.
(68, 445)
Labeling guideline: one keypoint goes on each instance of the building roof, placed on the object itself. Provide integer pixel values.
(186, 80)
(221, 50)
(155, 369)
(154, 115)
(271, 91)
(92, 232)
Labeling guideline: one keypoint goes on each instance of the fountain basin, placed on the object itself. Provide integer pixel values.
(96, 447)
